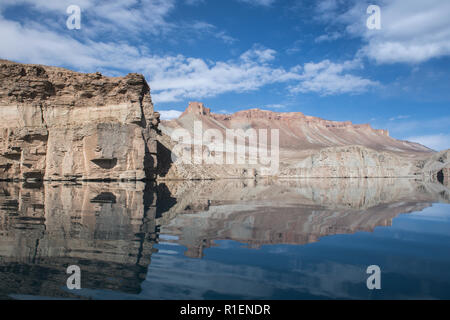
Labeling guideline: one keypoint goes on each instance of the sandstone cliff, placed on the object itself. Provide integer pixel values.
(297, 131)
(309, 147)
(438, 167)
(57, 124)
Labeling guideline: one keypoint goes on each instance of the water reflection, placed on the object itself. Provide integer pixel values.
(115, 231)
(106, 229)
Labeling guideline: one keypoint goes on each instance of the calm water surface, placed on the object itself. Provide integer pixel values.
(236, 239)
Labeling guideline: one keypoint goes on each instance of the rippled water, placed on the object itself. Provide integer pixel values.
(229, 239)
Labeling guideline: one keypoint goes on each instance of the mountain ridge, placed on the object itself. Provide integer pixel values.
(297, 130)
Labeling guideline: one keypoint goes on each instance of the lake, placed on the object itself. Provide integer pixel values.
(226, 239)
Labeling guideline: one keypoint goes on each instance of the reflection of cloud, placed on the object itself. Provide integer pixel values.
(328, 37)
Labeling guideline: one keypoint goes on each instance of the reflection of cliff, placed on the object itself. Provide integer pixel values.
(106, 229)
(109, 229)
(290, 211)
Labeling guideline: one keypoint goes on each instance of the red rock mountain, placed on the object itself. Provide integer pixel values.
(297, 131)
(309, 147)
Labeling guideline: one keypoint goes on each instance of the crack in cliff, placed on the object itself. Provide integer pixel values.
(41, 107)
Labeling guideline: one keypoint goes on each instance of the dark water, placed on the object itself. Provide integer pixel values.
(293, 239)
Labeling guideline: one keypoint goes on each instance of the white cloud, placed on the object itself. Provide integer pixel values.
(169, 114)
(412, 31)
(123, 16)
(43, 46)
(275, 106)
(178, 77)
(296, 47)
(172, 77)
(328, 78)
(259, 54)
(122, 19)
(264, 3)
(194, 2)
(400, 117)
(204, 28)
(436, 142)
(328, 37)
(45, 5)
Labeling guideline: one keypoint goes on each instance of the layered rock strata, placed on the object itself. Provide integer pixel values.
(309, 147)
(57, 124)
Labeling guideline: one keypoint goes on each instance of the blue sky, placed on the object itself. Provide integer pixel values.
(316, 57)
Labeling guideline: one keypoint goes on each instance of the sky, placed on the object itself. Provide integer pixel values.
(313, 56)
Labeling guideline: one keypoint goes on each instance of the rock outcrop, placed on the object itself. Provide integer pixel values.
(61, 125)
(438, 167)
(297, 131)
(57, 124)
(353, 162)
(308, 147)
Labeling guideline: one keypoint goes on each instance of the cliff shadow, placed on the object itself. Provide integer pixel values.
(164, 160)
(165, 201)
(440, 176)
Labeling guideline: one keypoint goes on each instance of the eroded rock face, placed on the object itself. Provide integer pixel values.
(353, 162)
(57, 124)
(308, 147)
(297, 131)
(438, 167)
